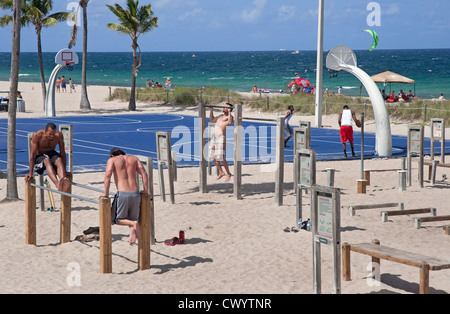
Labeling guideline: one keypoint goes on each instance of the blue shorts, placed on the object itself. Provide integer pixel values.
(126, 205)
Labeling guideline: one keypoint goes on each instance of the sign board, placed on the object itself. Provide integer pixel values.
(415, 149)
(67, 132)
(306, 168)
(438, 135)
(164, 155)
(301, 139)
(163, 148)
(326, 229)
(415, 141)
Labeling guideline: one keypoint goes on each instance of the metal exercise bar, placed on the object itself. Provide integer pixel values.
(66, 194)
(214, 106)
(259, 119)
(90, 188)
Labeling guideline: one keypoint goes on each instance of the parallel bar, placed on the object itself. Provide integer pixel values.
(90, 188)
(66, 194)
(259, 119)
(214, 106)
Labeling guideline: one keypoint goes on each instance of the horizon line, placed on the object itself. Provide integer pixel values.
(199, 51)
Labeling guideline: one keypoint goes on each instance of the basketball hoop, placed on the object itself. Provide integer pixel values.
(69, 66)
(332, 73)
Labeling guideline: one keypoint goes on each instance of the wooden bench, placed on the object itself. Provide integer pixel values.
(385, 214)
(377, 251)
(432, 165)
(418, 221)
(353, 208)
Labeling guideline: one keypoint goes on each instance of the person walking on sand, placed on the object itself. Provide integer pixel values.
(44, 157)
(72, 86)
(346, 129)
(218, 147)
(287, 127)
(127, 200)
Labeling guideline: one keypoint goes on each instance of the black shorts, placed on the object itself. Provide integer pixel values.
(39, 165)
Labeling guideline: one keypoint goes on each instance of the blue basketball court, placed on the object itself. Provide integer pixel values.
(94, 136)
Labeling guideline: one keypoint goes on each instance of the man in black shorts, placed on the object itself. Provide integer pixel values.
(44, 156)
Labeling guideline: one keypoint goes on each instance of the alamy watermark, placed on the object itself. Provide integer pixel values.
(74, 277)
(374, 17)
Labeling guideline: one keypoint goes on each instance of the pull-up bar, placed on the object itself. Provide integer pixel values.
(90, 188)
(216, 106)
(259, 119)
(104, 222)
(64, 193)
(279, 173)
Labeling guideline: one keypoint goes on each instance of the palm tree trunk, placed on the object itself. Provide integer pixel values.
(132, 104)
(11, 185)
(41, 66)
(84, 103)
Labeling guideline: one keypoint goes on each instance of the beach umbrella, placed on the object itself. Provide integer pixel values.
(300, 82)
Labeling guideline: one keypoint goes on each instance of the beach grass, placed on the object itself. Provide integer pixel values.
(304, 104)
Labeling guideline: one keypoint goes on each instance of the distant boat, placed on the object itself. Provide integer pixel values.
(283, 50)
(295, 52)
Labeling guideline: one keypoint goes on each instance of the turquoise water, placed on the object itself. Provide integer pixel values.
(241, 71)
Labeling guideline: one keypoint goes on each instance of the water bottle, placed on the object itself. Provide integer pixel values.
(181, 236)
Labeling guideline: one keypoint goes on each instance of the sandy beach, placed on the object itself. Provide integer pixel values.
(232, 246)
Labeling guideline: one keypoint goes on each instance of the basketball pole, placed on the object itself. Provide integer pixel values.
(319, 71)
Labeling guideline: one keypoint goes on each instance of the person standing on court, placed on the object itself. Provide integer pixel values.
(346, 129)
(44, 157)
(126, 204)
(218, 147)
(287, 127)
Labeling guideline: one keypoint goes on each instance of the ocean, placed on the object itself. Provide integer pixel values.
(240, 71)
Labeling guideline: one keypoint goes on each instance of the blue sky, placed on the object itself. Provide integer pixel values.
(237, 25)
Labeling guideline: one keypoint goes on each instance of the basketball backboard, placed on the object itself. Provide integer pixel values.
(340, 55)
(66, 56)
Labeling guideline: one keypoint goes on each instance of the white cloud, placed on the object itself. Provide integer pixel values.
(393, 8)
(195, 13)
(286, 13)
(252, 15)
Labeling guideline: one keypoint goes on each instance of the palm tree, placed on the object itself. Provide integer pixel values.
(134, 20)
(36, 12)
(84, 103)
(11, 185)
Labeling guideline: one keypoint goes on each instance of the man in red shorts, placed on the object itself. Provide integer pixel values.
(346, 129)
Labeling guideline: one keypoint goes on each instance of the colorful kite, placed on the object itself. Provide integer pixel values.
(375, 38)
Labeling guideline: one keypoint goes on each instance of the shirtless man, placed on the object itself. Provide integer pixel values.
(217, 150)
(44, 156)
(127, 200)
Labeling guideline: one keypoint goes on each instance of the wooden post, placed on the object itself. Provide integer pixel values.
(361, 186)
(105, 235)
(447, 230)
(424, 279)
(30, 213)
(376, 260)
(279, 174)
(346, 272)
(203, 183)
(66, 214)
(237, 184)
(366, 176)
(144, 230)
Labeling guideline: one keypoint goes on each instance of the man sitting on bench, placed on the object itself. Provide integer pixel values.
(44, 156)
